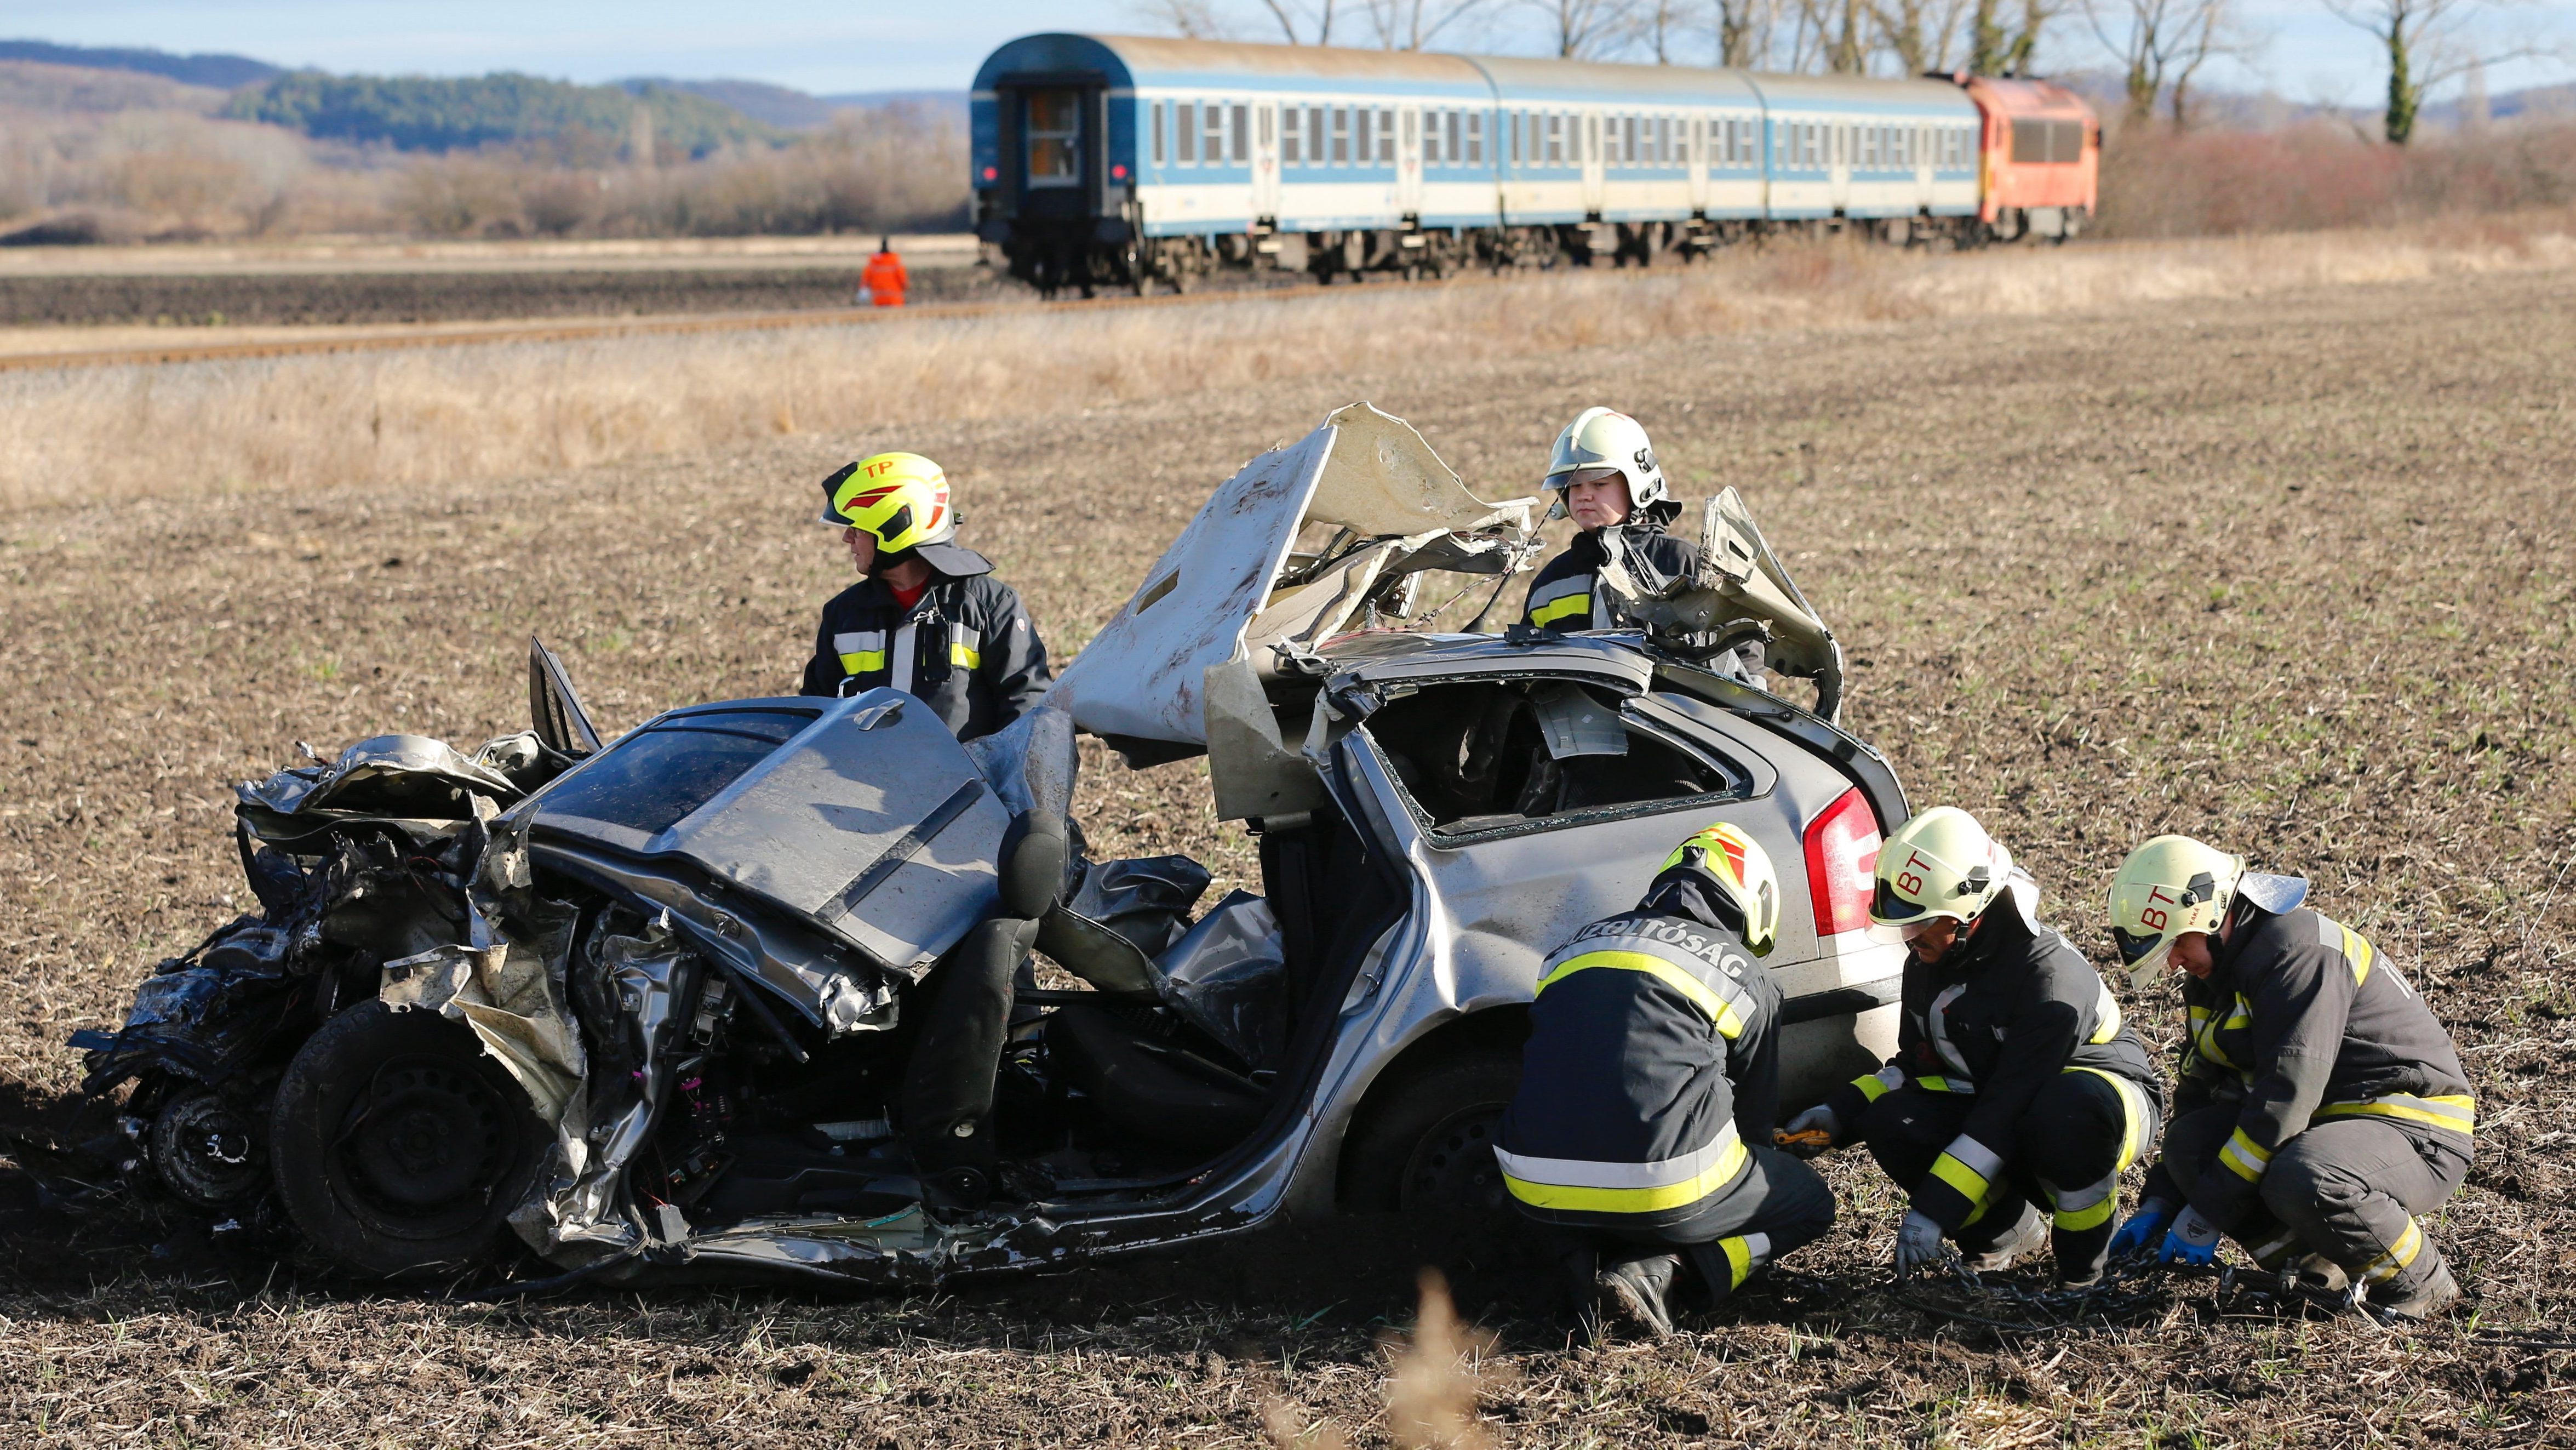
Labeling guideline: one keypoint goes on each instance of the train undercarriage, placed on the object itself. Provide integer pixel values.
(1085, 258)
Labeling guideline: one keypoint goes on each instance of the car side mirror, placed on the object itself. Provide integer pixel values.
(554, 710)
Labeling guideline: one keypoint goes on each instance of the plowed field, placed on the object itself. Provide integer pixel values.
(2295, 572)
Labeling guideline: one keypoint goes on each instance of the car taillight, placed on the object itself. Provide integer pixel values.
(1842, 851)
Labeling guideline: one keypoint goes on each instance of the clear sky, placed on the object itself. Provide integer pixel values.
(884, 45)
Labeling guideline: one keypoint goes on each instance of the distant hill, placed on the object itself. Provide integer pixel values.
(795, 110)
(223, 72)
(426, 113)
(27, 85)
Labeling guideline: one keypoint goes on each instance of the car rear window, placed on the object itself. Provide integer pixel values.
(655, 778)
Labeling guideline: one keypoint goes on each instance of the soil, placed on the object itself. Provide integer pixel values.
(2295, 573)
(268, 299)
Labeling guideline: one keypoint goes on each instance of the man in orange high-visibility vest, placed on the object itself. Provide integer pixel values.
(884, 276)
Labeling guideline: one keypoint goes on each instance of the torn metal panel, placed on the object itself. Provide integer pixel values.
(1216, 591)
(1383, 478)
(1737, 579)
(1031, 763)
(1251, 769)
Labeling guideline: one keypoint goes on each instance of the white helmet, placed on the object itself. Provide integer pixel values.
(1603, 439)
(1941, 863)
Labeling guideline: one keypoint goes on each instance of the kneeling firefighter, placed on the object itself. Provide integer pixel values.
(2322, 1108)
(927, 617)
(2014, 1082)
(1649, 1088)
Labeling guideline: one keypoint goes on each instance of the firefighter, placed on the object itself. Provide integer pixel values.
(1641, 1131)
(2322, 1110)
(927, 616)
(1605, 477)
(2014, 1084)
(884, 276)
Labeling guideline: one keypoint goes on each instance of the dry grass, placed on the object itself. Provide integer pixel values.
(436, 416)
(2294, 569)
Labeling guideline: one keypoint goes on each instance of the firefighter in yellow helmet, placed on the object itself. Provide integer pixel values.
(2014, 1083)
(1641, 1132)
(2322, 1109)
(927, 616)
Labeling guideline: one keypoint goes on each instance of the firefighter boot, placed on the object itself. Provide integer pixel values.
(2028, 1232)
(1629, 1294)
(2432, 1295)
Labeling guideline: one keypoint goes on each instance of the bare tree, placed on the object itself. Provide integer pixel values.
(1744, 31)
(1590, 29)
(2428, 42)
(1191, 19)
(1303, 22)
(2161, 44)
(1414, 24)
(1917, 33)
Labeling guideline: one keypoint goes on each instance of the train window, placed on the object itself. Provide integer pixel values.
(1360, 131)
(1154, 123)
(1315, 133)
(1341, 135)
(1055, 138)
(1215, 134)
(1386, 138)
(1241, 117)
(1186, 129)
(1556, 140)
(1475, 138)
(1292, 131)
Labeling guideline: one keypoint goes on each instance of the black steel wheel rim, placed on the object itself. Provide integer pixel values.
(424, 1146)
(1453, 1167)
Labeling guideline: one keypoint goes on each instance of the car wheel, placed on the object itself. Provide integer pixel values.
(206, 1150)
(1427, 1145)
(398, 1145)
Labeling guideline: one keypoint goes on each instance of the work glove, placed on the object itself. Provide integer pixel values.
(1796, 1136)
(2192, 1240)
(2143, 1228)
(1918, 1243)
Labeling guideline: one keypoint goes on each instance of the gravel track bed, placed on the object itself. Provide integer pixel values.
(2296, 572)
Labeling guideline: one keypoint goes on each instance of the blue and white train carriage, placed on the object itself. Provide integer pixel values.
(1117, 160)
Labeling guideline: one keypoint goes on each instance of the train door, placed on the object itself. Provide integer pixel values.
(1408, 163)
(1700, 156)
(1590, 132)
(1265, 161)
(1052, 155)
(1838, 137)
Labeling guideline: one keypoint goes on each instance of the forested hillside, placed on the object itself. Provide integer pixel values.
(424, 113)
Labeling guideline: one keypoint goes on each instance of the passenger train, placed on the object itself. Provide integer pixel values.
(1104, 160)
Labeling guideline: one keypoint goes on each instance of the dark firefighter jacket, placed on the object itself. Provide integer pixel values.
(1562, 597)
(966, 648)
(2332, 1031)
(1997, 1018)
(1653, 1060)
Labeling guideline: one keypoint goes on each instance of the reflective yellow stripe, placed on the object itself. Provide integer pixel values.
(2245, 1158)
(1556, 609)
(1641, 1195)
(1720, 1011)
(863, 662)
(2400, 1254)
(2079, 1219)
(1739, 1262)
(1876, 1085)
(2358, 952)
(2456, 1112)
(2133, 1109)
(1943, 1085)
(2107, 1009)
(964, 656)
(1970, 1183)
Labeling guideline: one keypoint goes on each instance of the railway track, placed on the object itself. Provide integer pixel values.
(409, 336)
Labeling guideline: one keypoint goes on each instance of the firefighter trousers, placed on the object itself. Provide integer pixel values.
(1779, 1205)
(2067, 1151)
(2347, 1188)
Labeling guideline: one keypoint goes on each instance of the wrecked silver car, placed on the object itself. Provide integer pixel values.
(748, 988)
